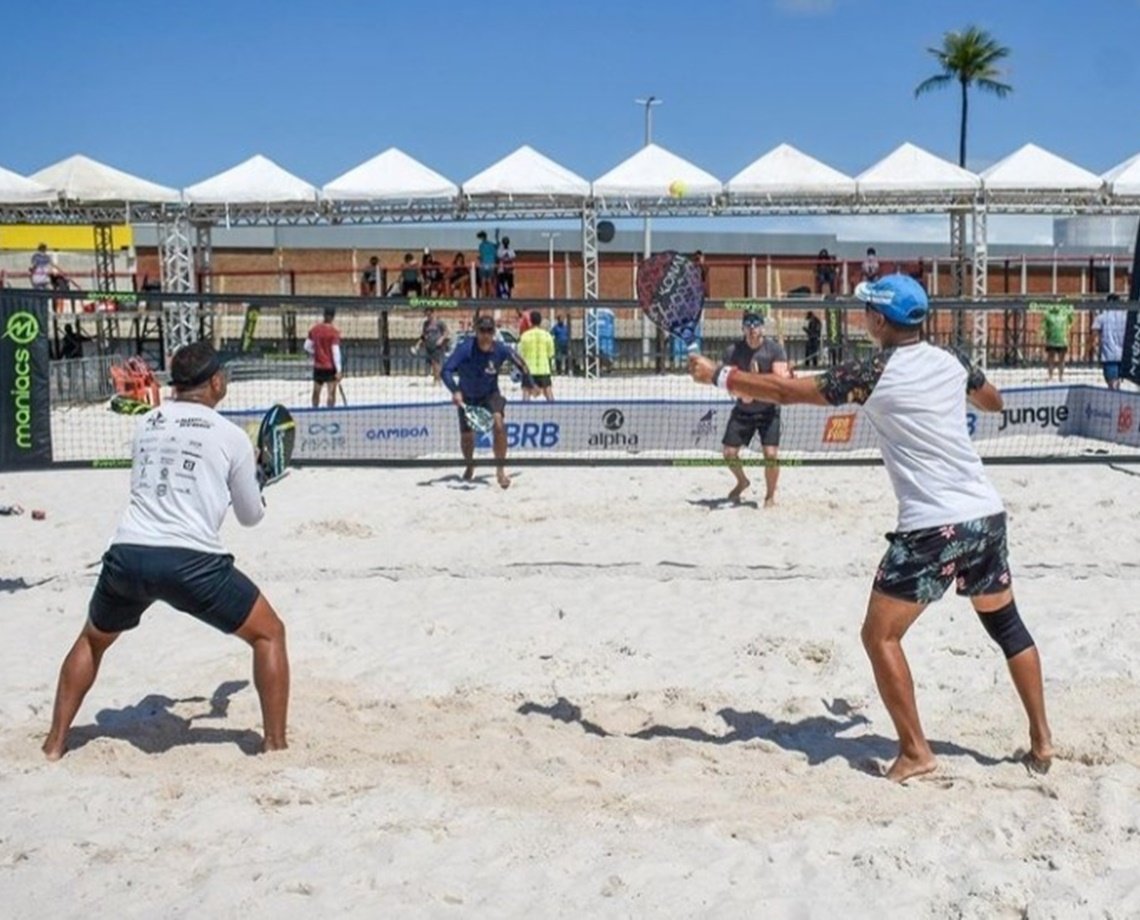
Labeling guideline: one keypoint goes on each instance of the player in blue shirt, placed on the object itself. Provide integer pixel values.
(472, 375)
(488, 259)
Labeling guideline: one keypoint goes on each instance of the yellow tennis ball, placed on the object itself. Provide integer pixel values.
(677, 188)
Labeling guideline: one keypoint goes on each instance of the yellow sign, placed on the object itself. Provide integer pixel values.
(65, 237)
(839, 429)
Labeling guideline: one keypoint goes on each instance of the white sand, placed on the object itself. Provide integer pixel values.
(471, 669)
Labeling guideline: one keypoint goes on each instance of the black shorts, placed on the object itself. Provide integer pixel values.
(541, 380)
(743, 426)
(1056, 349)
(435, 355)
(320, 375)
(919, 565)
(411, 287)
(493, 403)
(207, 586)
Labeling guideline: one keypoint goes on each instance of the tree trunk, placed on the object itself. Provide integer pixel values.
(962, 131)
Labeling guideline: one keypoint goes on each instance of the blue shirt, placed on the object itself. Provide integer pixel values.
(561, 335)
(478, 371)
(488, 253)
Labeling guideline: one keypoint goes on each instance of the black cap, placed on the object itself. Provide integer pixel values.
(752, 318)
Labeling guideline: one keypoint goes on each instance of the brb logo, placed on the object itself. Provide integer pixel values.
(613, 420)
(533, 435)
(22, 328)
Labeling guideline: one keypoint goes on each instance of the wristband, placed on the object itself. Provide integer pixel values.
(723, 378)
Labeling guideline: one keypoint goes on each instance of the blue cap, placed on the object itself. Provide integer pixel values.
(899, 298)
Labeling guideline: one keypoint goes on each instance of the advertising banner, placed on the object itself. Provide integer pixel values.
(1106, 415)
(25, 417)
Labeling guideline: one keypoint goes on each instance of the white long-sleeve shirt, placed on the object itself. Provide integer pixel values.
(189, 464)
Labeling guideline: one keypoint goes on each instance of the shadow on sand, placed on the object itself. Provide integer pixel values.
(152, 727)
(816, 737)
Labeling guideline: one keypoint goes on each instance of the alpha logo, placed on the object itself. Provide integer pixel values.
(324, 428)
(1041, 416)
(839, 429)
(612, 421)
(531, 435)
(22, 328)
(395, 433)
(704, 426)
(1124, 420)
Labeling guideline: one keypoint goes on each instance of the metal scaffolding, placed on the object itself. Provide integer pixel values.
(104, 258)
(176, 264)
(591, 338)
(980, 285)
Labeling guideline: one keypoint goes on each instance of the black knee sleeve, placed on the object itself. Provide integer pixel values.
(1007, 630)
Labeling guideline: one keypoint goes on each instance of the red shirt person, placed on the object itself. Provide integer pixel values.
(323, 344)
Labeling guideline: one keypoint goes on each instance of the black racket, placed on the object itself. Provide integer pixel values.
(672, 294)
(276, 438)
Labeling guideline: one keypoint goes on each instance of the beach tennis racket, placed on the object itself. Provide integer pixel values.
(672, 294)
(276, 438)
(479, 418)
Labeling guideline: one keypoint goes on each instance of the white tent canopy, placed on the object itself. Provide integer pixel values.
(390, 176)
(654, 172)
(15, 189)
(911, 169)
(79, 178)
(1124, 178)
(1034, 169)
(786, 171)
(256, 181)
(527, 173)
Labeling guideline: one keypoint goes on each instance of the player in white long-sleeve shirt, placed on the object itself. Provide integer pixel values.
(189, 464)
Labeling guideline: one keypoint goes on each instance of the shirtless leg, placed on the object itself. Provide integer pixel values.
(265, 633)
(76, 676)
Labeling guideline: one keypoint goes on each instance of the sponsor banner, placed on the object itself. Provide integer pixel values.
(1106, 415)
(1130, 363)
(25, 419)
(617, 427)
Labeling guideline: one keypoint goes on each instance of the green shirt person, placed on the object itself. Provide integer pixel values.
(1058, 322)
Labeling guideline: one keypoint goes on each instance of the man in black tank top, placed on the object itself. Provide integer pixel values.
(756, 353)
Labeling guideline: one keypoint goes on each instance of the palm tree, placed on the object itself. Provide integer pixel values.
(970, 58)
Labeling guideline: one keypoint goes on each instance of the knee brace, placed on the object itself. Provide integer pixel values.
(1007, 630)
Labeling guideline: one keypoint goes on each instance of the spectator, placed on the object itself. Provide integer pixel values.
(536, 347)
(871, 269)
(323, 345)
(410, 278)
(825, 273)
(699, 258)
(41, 269)
(485, 270)
(523, 318)
(918, 273)
(1058, 321)
(459, 281)
(73, 339)
(506, 269)
(433, 342)
(370, 279)
(432, 273)
(813, 329)
(560, 332)
(1108, 328)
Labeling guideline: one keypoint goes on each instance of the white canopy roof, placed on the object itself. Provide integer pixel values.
(650, 172)
(526, 172)
(256, 181)
(390, 176)
(1033, 169)
(15, 189)
(911, 169)
(79, 178)
(784, 170)
(1124, 178)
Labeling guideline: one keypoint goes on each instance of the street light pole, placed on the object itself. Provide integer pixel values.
(550, 237)
(649, 103)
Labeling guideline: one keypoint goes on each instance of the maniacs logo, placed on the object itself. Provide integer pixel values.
(613, 420)
(704, 426)
(531, 435)
(1124, 420)
(1041, 416)
(22, 328)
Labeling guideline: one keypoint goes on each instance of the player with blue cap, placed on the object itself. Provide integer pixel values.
(951, 522)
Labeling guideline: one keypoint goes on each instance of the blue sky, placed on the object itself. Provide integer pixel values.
(178, 92)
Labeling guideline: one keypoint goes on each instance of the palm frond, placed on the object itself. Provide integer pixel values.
(1001, 90)
(936, 82)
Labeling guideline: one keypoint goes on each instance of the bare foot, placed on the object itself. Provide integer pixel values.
(769, 501)
(906, 767)
(268, 747)
(53, 750)
(504, 479)
(469, 474)
(735, 494)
